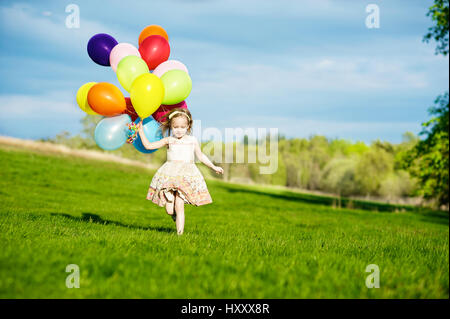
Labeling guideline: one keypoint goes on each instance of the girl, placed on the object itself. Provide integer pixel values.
(178, 180)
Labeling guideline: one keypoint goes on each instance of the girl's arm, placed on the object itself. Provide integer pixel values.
(151, 145)
(204, 159)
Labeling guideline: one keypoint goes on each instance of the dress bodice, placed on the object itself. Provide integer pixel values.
(181, 151)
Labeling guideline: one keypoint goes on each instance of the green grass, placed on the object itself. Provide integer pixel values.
(251, 242)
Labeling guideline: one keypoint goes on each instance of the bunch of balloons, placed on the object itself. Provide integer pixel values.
(155, 85)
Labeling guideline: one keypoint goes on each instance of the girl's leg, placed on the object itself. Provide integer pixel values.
(179, 207)
(170, 209)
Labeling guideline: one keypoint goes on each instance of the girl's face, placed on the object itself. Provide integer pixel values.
(179, 126)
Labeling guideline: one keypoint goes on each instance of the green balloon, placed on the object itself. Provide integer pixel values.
(177, 86)
(129, 68)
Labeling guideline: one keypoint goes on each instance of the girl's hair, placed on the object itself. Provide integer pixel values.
(166, 124)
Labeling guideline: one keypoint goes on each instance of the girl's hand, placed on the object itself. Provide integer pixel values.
(218, 170)
(171, 139)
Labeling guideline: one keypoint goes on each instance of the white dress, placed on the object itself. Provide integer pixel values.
(179, 173)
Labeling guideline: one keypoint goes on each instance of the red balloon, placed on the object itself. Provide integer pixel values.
(159, 114)
(154, 50)
(130, 110)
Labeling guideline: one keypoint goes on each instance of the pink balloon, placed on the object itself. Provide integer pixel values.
(120, 51)
(164, 109)
(169, 65)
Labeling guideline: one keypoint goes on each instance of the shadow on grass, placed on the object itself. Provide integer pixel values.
(93, 218)
(439, 217)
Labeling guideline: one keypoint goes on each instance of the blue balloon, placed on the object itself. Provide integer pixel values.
(152, 133)
(112, 132)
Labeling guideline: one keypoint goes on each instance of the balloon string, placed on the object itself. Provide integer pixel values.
(132, 132)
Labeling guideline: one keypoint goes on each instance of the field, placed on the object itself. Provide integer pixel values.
(251, 242)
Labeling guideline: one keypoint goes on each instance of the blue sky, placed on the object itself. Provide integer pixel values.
(305, 67)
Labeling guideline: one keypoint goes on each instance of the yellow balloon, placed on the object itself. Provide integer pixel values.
(146, 94)
(82, 100)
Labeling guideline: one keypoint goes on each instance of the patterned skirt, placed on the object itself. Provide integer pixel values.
(183, 177)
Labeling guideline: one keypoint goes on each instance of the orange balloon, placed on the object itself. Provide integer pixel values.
(106, 99)
(153, 30)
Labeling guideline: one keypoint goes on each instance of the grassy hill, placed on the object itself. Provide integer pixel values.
(251, 242)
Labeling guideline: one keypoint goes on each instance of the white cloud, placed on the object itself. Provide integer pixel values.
(329, 127)
(41, 116)
(221, 68)
(51, 28)
(325, 64)
(303, 127)
(46, 115)
(383, 65)
(51, 105)
(228, 74)
(259, 81)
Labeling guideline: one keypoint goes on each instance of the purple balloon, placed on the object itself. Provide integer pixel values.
(99, 48)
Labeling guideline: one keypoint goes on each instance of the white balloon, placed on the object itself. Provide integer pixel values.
(120, 51)
(169, 65)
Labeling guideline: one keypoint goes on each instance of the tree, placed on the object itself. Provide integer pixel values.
(439, 32)
(339, 175)
(89, 124)
(428, 160)
(371, 169)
